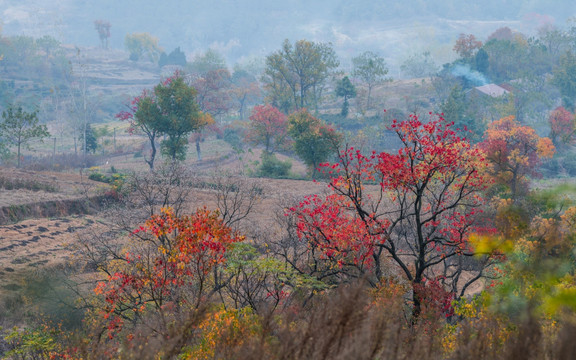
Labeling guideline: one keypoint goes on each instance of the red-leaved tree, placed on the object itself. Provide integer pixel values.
(562, 126)
(268, 127)
(171, 266)
(467, 45)
(213, 92)
(514, 152)
(410, 213)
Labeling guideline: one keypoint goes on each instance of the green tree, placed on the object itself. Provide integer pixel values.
(176, 57)
(295, 75)
(49, 45)
(180, 115)
(419, 65)
(142, 45)
(143, 116)
(345, 89)
(508, 59)
(171, 110)
(103, 29)
(19, 127)
(482, 61)
(565, 79)
(211, 60)
(314, 141)
(457, 109)
(245, 90)
(19, 51)
(371, 69)
(555, 41)
(91, 140)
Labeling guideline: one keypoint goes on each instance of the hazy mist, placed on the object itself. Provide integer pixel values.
(243, 29)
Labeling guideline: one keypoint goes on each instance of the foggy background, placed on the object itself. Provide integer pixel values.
(242, 29)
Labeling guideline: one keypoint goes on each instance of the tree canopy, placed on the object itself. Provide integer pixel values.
(314, 141)
(296, 74)
(19, 127)
(514, 152)
(268, 126)
(347, 90)
(170, 109)
(371, 69)
(414, 208)
(142, 45)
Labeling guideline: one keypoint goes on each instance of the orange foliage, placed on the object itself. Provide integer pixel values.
(514, 152)
(173, 271)
(467, 45)
(268, 126)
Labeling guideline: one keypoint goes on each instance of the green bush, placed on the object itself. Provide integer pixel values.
(274, 168)
(569, 164)
(34, 185)
(116, 180)
(550, 168)
(99, 177)
(233, 137)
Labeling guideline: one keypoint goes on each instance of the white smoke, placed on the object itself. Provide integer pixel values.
(475, 77)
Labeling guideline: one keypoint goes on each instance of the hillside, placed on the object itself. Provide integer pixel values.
(242, 29)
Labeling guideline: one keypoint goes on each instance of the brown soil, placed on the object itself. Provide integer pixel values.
(29, 194)
(62, 186)
(31, 245)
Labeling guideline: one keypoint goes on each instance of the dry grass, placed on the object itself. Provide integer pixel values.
(31, 245)
(345, 324)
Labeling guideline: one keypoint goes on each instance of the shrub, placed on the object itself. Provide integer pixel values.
(34, 185)
(62, 162)
(550, 168)
(569, 164)
(272, 167)
(233, 137)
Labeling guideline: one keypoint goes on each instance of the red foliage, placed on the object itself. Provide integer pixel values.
(268, 126)
(562, 126)
(214, 92)
(467, 45)
(173, 273)
(416, 207)
(435, 299)
(340, 236)
(503, 33)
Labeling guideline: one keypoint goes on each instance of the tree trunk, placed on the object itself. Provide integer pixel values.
(198, 151)
(18, 161)
(417, 304)
(152, 155)
(368, 97)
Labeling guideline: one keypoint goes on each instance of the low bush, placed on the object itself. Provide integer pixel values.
(569, 164)
(550, 168)
(34, 185)
(273, 167)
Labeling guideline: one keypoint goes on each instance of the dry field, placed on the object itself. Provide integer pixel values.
(26, 186)
(30, 246)
(39, 242)
(29, 241)
(33, 247)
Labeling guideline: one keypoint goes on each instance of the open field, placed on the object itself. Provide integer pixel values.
(36, 238)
